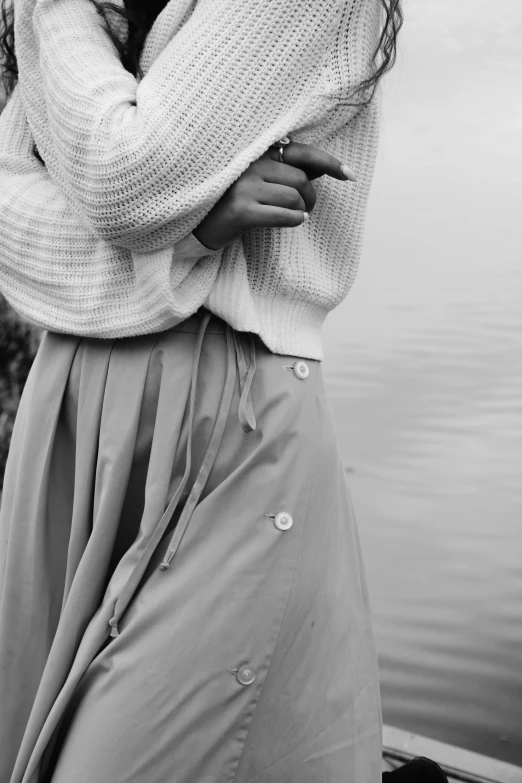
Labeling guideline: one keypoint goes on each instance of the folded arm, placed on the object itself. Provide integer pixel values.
(143, 162)
(56, 272)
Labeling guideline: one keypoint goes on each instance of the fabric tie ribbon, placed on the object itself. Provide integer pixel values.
(237, 366)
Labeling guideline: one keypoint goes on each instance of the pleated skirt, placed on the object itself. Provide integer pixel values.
(182, 593)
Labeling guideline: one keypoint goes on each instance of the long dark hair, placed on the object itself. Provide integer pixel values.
(140, 15)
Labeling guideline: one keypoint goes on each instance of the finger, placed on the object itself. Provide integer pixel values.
(278, 217)
(314, 161)
(284, 196)
(282, 174)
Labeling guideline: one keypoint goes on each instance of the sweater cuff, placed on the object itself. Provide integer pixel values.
(190, 249)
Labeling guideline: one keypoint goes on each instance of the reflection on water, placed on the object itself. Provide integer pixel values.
(424, 369)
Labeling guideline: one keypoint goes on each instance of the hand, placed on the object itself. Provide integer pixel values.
(270, 194)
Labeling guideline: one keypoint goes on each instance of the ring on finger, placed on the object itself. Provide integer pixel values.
(280, 146)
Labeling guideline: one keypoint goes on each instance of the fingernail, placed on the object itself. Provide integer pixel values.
(348, 173)
(306, 216)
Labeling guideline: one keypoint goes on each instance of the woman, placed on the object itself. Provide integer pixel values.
(182, 589)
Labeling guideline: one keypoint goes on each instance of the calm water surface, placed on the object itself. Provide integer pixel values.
(424, 369)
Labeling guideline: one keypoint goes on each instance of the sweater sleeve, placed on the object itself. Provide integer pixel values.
(144, 161)
(60, 275)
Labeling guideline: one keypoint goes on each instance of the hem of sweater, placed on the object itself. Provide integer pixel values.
(290, 327)
(286, 327)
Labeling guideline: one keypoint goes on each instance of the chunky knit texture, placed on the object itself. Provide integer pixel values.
(88, 243)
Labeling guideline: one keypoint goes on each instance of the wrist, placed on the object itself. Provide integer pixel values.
(205, 239)
(190, 249)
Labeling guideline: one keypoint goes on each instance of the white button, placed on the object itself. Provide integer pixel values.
(283, 521)
(246, 675)
(301, 370)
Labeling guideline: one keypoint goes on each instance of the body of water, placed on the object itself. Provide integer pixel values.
(424, 369)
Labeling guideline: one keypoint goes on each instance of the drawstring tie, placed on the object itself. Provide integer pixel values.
(236, 364)
(246, 414)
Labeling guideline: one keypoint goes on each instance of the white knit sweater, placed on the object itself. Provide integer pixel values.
(88, 243)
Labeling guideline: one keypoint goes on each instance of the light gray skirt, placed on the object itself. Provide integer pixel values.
(182, 595)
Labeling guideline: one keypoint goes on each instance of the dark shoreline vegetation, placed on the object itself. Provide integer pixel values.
(19, 342)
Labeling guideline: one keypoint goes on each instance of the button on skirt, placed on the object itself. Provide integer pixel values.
(182, 594)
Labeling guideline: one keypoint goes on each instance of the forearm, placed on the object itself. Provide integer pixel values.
(144, 162)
